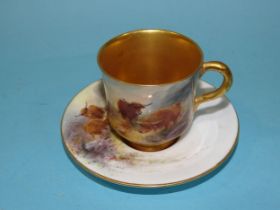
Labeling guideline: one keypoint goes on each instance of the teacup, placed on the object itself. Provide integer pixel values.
(150, 78)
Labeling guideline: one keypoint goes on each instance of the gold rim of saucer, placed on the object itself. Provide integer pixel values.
(136, 185)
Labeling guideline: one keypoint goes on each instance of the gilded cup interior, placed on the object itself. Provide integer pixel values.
(150, 57)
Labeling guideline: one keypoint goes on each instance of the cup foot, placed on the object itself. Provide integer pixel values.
(151, 148)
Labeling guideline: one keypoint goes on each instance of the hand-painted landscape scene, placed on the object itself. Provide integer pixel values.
(88, 133)
(150, 129)
(150, 116)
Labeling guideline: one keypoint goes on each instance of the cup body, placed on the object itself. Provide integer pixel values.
(150, 115)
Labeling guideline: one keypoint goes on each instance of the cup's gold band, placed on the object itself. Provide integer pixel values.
(227, 82)
(150, 148)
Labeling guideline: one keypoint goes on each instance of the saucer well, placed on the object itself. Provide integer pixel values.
(90, 142)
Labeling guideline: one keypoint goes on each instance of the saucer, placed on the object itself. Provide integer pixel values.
(209, 142)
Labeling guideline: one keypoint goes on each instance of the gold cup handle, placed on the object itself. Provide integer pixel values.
(222, 69)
